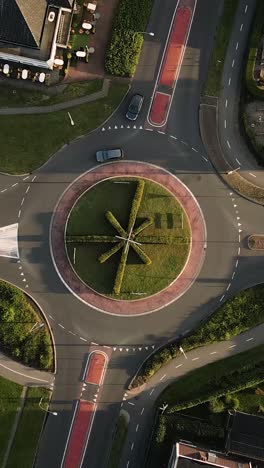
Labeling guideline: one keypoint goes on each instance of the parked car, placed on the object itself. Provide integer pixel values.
(106, 155)
(134, 107)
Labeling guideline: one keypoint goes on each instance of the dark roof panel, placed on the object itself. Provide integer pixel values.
(246, 436)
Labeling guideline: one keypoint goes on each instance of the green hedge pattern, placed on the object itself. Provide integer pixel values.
(105, 256)
(125, 46)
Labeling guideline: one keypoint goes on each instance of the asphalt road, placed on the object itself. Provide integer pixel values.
(228, 267)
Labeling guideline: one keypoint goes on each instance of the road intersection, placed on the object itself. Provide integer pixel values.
(227, 268)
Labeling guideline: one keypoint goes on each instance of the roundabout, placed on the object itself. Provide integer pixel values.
(140, 250)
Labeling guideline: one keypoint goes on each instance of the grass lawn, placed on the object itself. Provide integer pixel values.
(9, 401)
(79, 40)
(118, 442)
(25, 98)
(28, 141)
(29, 428)
(212, 85)
(88, 217)
(207, 379)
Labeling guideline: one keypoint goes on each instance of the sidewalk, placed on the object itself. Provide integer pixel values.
(24, 375)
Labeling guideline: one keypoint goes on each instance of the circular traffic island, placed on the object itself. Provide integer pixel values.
(127, 238)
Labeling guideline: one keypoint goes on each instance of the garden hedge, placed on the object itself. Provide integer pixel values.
(135, 205)
(126, 43)
(17, 317)
(116, 225)
(142, 255)
(120, 271)
(235, 316)
(90, 238)
(148, 222)
(105, 256)
(254, 44)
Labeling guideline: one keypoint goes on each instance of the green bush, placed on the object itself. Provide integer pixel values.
(142, 255)
(232, 402)
(120, 272)
(161, 430)
(116, 225)
(90, 238)
(254, 44)
(178, 425)
(148, 222)
(216, 406)
(125, 45)
(135, 204)
(17, 317)
(105, 256)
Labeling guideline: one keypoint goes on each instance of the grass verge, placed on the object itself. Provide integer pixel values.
(9, 401)
(235, 316)
(29, 428)
(17, 317)
(118, 441)
(26, 98)
(213, 82)
(28, 141)
(244, 187)
(167, 257)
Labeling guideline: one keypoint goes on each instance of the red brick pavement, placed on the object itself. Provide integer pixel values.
(143, 305)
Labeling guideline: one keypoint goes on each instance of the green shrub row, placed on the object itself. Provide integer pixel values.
(120, 272)
(148, 222)
(163, 240)
(17, 317)
(142, 255)
(90, 238)
(126, 43)
(234, 381)
(194, 429)
(105, 256)
(116, 225)
(235, 316)
(135, 204)
(254, 45)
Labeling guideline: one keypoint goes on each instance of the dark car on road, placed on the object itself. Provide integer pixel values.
(134, 107)
(106, 155)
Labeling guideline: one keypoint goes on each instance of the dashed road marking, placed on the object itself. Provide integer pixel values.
(232, 346)
(214, 352)
(142, 411)
(241, 27)
(250, 339)
(163, 377)
(195, 358)
(137, 427)
(226, 102)
(237, 45)
(130, 403)
(246, 7)
(229, 82)
(222, 298)
(228, 144)
(252, 175)
(60, 325)
(233, 63)
(179, 365)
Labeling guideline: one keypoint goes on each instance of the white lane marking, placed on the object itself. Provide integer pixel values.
(253, 175)
(142, 411)
(228, 287)
(163, 377)
(25, 178)
(233, 275)
(71, 333)
(83, 339)
(2, 191)
(60, 325)
(22, 201)
(174, 137)
(226, 102)
(19, 213)
(152, 391)
(179, 365)
(93, 342)
(214, 352)
(128, 464)
(28, 189)
(23, 375)
(232, 346)
(130, 403)
(195, 358)
(246, 7)
(239, 238)
(250, 339)
(229, 82)
(236, 263)
(205, 158)
(238, 251)
(241, 27)
(233, 63)
(162, 133)
(196, 151)
(137, 427)
(228, 144)
(225, 123)
(50, 316)
(238, 162)
(184, 143)
(14, 184)
(34, 178)
(237, 45)
(149, 129)
(132, 446)
(103, 129)
(222, 298)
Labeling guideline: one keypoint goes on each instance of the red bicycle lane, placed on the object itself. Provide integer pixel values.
(171, 63)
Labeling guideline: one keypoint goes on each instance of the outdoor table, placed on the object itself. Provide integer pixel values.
(87, 26)
(91, 6)
(80, 53)
(42, 77)
(58, 61)
(6, 69)
(24, 74)
(91, 50)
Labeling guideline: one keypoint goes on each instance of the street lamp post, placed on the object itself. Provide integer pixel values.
(47, 411)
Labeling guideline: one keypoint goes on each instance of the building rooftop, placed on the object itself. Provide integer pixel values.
(246, 435)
